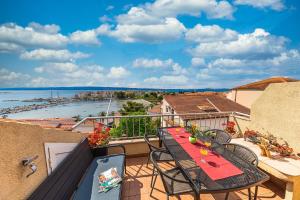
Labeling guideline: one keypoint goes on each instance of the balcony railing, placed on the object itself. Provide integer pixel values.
(135, 126)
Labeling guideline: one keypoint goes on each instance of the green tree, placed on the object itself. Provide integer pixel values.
(120, 95)
(133, 107)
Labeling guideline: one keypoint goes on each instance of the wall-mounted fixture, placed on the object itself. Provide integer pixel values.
(29, 162)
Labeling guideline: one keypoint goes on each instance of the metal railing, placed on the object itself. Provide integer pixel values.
(135, 126)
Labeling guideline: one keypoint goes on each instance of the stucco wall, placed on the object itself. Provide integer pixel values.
(244, 97)
(277, 111)
(17, 142)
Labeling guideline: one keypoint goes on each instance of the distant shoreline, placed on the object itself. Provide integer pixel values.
(81, 88)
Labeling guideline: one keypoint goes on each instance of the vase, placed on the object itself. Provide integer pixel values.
(192, 140)
(99, 151)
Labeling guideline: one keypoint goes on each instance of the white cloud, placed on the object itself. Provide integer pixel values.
(138, 16)
(52, 55)
(212, 8)
(226, 62)
(211, 33)
(152, 63)
(48, 28)
(273, 4)
(10, 47)
(85, 37)
(257, 45)
(10, 79)
(57, 67)
(110, 7)
(153, 33)
(198, 62)
(118, 73)
(70, 74)
(280, 60)
(170, 81)
(105, 19)
(34, 35)
(178, 69)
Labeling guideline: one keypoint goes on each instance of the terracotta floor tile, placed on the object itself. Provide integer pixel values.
(136, 186)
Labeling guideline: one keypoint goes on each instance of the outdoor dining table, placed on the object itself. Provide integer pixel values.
(222, 172)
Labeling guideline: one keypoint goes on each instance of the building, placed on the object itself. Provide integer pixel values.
(247, 94)
(206, 103)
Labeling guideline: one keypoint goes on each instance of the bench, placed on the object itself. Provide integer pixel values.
(285, 169)
(77, 175)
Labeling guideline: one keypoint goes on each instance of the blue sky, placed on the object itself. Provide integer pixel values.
(159, 43)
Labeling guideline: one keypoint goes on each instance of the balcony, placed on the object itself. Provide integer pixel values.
(137, 186)
(129, 131)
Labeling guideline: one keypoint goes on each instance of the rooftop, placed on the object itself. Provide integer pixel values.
(203, 103)
(263, 84)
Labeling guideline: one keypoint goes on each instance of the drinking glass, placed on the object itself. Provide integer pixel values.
(203, 152)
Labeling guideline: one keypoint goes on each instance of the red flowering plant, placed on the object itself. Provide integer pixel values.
(252, 136)
(230, 127)
(100, 136)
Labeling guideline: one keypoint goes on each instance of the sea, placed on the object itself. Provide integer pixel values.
(12, 97)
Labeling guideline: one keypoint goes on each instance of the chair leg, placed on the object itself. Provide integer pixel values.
(153, 184)
(227, 195)
(148, 159)
(249, 194)
(153, 174)
(255, 193)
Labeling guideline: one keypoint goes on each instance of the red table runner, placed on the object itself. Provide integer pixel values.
(215, 166)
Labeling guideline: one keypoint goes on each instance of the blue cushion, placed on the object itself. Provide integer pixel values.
(88, 187)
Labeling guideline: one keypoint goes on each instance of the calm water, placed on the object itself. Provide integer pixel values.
(14, 98)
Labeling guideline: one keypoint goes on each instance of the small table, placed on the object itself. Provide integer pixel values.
(286, 169)
(201, 182)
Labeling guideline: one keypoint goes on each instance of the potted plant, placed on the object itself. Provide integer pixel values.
(99, 139)
(193, 130)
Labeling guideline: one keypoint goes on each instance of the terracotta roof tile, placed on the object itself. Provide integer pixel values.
(263, 84)
(203, 103)
(155, 109)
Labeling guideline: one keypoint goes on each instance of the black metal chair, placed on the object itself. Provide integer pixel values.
(173, 180)
(162, 156)
(220, 136)
(247, 155)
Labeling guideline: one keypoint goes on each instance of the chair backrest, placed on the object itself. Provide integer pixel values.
(243, 152)
(151, 146)
(168, 181)
(221, 136)
(62, 182)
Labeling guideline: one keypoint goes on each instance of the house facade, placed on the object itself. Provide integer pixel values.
(196, 107)
(247, 94)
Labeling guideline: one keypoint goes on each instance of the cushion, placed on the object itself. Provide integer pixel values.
(88, 187)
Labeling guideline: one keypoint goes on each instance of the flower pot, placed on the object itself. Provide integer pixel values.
(192, 140)
(100, 151)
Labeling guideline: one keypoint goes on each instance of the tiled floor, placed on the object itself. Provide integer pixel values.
(137, 186)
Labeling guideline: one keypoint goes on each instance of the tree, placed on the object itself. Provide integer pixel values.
(120, 95)
(102, 114)
(133, 107)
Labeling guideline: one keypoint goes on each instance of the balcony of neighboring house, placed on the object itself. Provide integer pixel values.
(56, 153)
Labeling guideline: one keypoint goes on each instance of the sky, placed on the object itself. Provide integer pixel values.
(149, 44)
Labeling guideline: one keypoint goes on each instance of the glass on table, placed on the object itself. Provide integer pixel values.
(203, 152)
